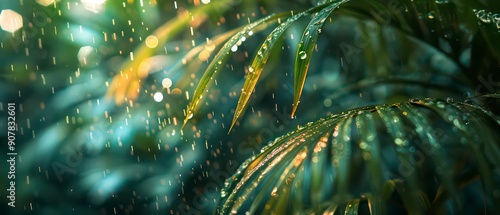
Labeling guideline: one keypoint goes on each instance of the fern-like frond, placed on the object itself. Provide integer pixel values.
(346, 162)
(430, 23)
(217, 63)
(305, 50)
(259, 61)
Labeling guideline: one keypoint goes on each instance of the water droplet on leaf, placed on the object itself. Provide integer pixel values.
(483, 16)
(302, 55)
(190, 114)
(415, 100)
(430, 15)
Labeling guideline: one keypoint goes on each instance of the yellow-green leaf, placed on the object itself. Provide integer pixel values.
(352, 207)
(258, 63)
(222, 55)
(306, 47)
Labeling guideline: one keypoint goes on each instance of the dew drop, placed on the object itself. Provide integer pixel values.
(190, 114)
(430, 15)
(483, 16)
(496, 19)
(440, 104)
(274, 192)
(415, 100)
(264, 47)
(302, 55)
(234, 48)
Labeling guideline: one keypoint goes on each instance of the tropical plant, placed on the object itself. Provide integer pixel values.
(394, 106)
(432, 155)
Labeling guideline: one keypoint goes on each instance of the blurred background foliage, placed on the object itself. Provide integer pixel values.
(102, 89)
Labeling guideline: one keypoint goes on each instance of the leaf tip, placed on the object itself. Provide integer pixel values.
(189, 115)
(235, 118)
(294, 109)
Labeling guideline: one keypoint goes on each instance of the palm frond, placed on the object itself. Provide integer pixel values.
(221, 57)
(305, 50)
(308, 42)
(265, 50)
(434, 23)
(322, 165)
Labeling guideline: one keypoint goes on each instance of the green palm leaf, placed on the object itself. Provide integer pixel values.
(326, 157)
(258, 63)
(306, 48)
(260, 60)
(324, 163)
(440, 29)
(216, 64)
(442, 21)
(352, 207)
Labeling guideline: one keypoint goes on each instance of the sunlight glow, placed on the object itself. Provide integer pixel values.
(45, 2)
(84, 53)
(167, 83)
(151, 41)
(10, 21)
(95, 6)
(158, 97)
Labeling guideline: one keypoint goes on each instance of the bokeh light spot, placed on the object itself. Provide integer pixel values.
(158, 96)
(167, 83)
(45, 2)
(151, 41)
(94, 5)
(10, 21)
(86, 54)
(327, 102)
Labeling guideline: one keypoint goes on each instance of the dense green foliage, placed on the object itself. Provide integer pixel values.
(305, 106)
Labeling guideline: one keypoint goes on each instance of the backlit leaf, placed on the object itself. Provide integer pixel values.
(217, 63)
(305, 49)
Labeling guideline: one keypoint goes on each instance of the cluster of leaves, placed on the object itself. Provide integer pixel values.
(69, 134)
(350, 158)
(414, 157)
(420, 156)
